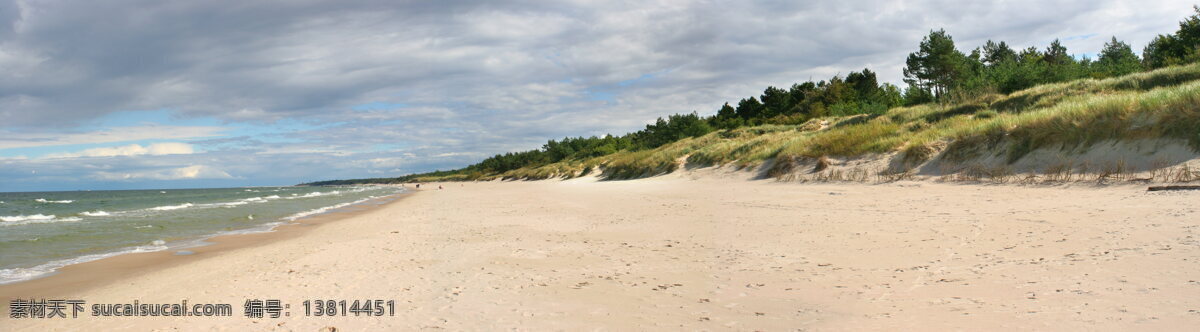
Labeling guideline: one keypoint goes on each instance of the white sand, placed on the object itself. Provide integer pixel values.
(673, 253)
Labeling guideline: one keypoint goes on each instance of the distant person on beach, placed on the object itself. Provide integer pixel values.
(418, 186)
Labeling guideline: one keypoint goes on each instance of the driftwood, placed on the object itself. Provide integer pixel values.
(1160, 188)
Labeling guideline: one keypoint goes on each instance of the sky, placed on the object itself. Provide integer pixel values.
(184, 94)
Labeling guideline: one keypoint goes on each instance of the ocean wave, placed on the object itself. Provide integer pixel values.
(317, 194)
(260, 199)
(24, 218)
(172, 207)
(22, 274)
(264, 228)
(43, 200)
(97, 213)
(34, 219)
(323, 209)
(240, 202)
(228, 204)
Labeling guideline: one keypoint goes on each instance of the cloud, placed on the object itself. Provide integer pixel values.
(130, 150)
(26, 138)
(181, 173)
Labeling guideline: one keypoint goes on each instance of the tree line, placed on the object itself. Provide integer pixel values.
(857, 93)
(937, 72)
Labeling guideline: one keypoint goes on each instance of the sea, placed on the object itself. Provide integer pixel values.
(41, 232)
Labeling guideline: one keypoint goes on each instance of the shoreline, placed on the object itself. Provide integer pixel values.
(78, 277)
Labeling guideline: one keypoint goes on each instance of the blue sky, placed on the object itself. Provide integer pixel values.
(228, 93)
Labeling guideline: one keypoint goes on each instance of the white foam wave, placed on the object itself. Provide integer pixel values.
(228, 204)
(243, 201)
(318, 194)
(264, 228)
(34, 219)
(97, 213)
(172, 207)
(22, 274)
(323, 209)
(24, 218)
(43, 200)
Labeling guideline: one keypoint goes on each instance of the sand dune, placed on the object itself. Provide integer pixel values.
(674, 253)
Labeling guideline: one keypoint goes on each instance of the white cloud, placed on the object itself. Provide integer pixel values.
(20, 139)
(156, 149)
(181, 173)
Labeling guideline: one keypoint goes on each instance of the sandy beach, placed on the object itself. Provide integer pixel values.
(704, 253)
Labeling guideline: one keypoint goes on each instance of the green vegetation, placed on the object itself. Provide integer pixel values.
(958, 106)
(1177, 48)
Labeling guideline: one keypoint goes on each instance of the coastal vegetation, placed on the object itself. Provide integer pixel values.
(992, 100)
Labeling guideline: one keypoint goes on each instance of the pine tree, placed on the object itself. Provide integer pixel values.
(726, 112)
(1164, 50)
(1181, 47)
(1117, 59)
(749, 108)
(996, 53)
(1056, 54)
(936, 65)
(775, 101)
(864, 83)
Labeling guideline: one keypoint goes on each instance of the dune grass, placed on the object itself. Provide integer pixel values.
(1163, 103)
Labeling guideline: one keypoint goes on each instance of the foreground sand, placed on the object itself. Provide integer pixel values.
(676, 253)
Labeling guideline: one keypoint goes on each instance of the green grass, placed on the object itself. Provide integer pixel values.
(747, 146)
(1081, 121)
(1164, 103)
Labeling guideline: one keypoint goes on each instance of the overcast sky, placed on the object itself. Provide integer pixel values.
(176, 94)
